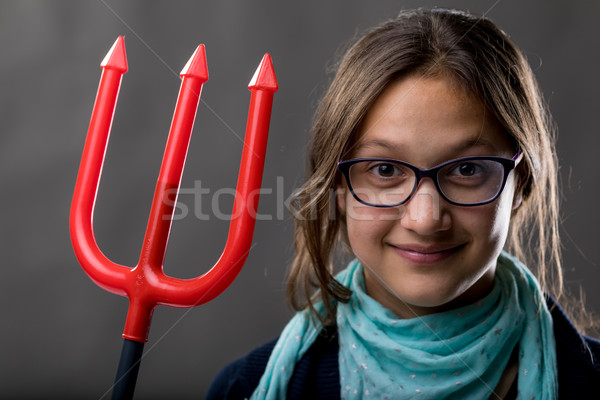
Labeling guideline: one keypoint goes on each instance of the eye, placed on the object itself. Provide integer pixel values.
(468, 169)
(385, 170)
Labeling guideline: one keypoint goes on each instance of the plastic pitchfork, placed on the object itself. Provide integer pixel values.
(146, 285)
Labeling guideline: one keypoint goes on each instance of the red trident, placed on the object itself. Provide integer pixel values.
(146, 285)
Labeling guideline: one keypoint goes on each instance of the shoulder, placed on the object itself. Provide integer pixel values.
(578, 356)
(316, 374)
(239, 379)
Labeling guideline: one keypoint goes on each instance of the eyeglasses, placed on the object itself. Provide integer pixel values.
(468, 181)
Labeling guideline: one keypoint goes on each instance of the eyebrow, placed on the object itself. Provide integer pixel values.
(475, 142)
(377, 144)
(384, 144)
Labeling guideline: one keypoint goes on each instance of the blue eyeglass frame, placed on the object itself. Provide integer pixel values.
(508, 163)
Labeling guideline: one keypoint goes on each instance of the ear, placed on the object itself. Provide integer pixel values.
(518, 198)
(521, 175)
(340, 197)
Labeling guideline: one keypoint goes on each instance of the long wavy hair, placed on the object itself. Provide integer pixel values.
(485, 62)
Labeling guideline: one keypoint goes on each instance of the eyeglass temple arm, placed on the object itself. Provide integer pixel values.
(518, 157)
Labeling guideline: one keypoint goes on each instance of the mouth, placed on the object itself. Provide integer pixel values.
(426, 254)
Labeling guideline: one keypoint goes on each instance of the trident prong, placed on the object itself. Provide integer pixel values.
(146, 285)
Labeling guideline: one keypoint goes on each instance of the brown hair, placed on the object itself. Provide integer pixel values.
(479, 56)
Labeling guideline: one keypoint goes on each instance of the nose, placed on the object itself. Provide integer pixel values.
(425, 212)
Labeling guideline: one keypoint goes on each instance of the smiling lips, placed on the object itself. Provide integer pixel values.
(419, 254)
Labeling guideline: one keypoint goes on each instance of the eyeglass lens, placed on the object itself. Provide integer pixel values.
(389, 183)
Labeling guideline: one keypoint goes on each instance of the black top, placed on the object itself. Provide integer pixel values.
(316, 375)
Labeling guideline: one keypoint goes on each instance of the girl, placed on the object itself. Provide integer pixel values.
(436, 143)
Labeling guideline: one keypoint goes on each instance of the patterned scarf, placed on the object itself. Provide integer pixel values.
(456, 354)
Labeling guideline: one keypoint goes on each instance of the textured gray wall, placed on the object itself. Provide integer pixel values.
(60, 335)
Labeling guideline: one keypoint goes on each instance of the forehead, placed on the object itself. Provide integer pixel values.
(429, 119)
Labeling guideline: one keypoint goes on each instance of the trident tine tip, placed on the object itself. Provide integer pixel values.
(264, 77)
(196, 65)
(116, 58)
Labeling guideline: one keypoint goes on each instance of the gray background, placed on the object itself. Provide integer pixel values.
(60, 335)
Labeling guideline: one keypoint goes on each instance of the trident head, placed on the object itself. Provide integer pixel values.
(146, 285)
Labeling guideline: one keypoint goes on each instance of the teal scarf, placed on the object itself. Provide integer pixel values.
(456, 354)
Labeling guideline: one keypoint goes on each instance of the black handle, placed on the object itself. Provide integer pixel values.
(129, 366)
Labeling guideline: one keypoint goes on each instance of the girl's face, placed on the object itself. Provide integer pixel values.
(428, 255)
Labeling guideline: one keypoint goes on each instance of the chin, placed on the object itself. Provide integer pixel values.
(435, 301)
(431, 300)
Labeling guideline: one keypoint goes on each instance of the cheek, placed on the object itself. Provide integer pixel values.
(502, 213)
(488, 224)
(367, 224)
